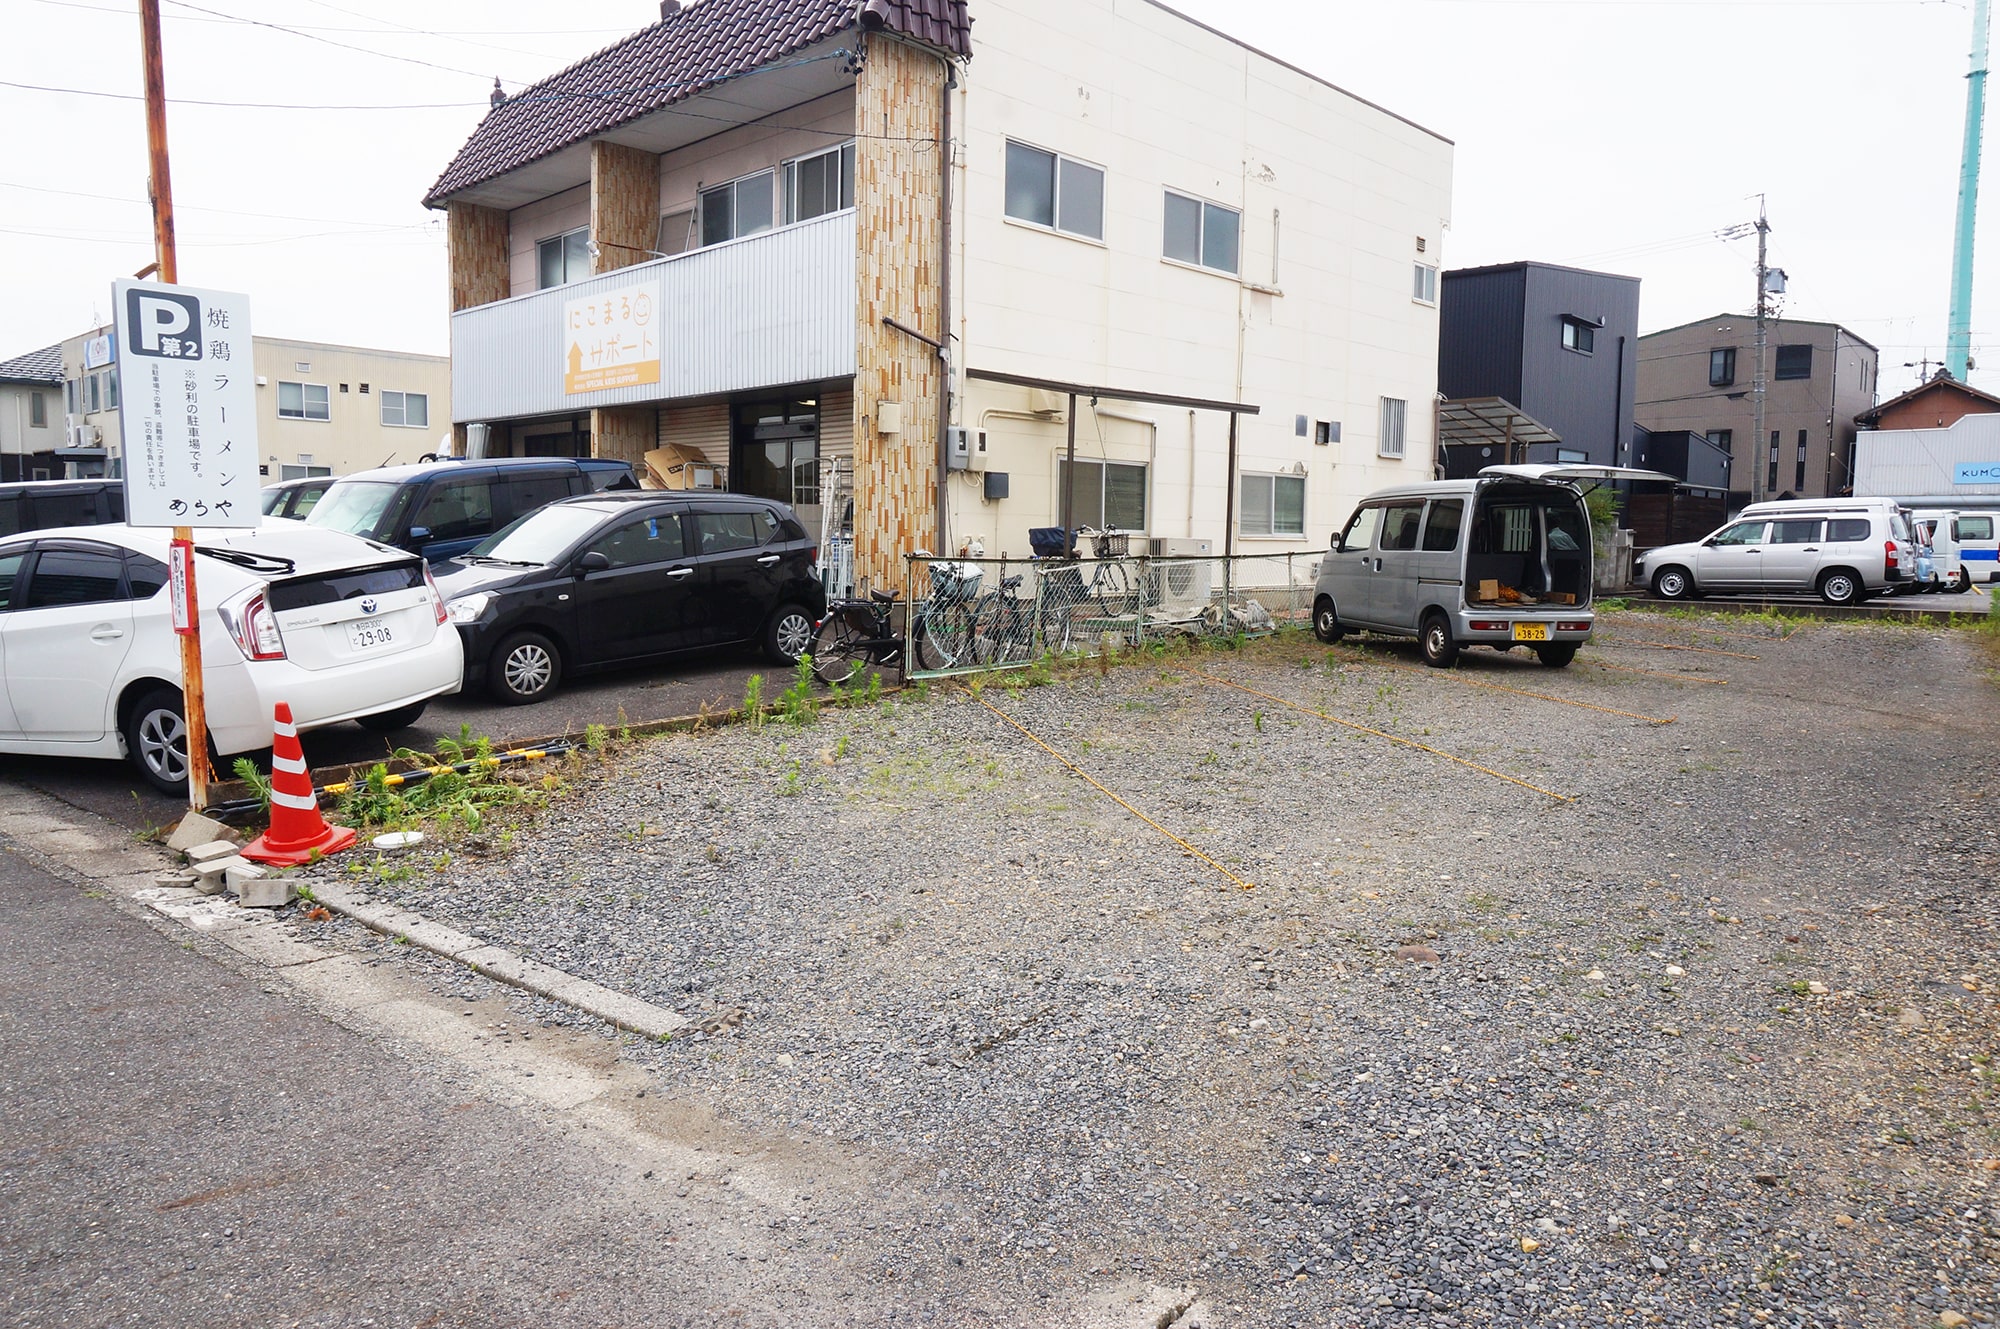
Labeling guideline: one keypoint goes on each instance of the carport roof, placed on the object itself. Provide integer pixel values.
(1490, 420)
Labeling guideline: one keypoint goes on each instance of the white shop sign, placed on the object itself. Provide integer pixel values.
(188, 395)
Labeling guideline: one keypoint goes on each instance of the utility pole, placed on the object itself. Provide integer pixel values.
(1958, 331)
(161, 190)
(1760, 457)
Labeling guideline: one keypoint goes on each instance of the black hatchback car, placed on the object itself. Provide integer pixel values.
(624, 578)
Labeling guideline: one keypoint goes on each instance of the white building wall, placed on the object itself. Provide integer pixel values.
(1319, 321)
(1923, 463)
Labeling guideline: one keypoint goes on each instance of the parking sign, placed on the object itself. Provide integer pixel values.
(188, 396)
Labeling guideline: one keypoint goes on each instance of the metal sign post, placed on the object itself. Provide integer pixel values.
(188, 404)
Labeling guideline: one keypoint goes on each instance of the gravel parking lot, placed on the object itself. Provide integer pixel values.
(1611, 1020)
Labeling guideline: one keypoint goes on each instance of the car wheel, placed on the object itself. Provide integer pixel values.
(525, 668)
(1673, 583)
(1440, 651)
(839, 648)
(789, 634)
(1556, 657)
(156, 735)
(1962, 582)
(1326, 623)
(388, 722)
(1840, 587)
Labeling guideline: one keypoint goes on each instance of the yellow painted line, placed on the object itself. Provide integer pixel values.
(1670, 646)
(1655, 673)
(1519, 692)
(1406, 742)
(1113, 797)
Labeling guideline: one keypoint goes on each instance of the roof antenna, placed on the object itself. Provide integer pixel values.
(499, 98)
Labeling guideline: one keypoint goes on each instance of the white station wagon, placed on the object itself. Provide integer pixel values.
(339, 627)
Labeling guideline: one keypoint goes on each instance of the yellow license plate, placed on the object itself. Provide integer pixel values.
(1531, 632)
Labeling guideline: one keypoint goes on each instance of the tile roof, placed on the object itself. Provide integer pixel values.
(43, 366)
(684, 54)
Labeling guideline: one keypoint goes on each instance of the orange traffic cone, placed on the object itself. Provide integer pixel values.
(297, 831)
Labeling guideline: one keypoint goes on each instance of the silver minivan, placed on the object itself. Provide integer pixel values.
(1843, 549)
(1501, 560)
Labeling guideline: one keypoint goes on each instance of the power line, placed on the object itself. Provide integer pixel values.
(184, 207)
(322, 27)
(241, 106)
(345, 46)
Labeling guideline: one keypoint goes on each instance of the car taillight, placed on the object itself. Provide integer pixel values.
(1488, 625)
(812, 554)
(437, 597)
(1889, 551)
(254, 628)
(1572, 627)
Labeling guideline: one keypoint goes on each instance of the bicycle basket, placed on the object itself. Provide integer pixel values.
(1111, 545)
(1047, 542)
(955, 581)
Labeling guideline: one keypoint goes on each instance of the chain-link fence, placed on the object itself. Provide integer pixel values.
(993, 613)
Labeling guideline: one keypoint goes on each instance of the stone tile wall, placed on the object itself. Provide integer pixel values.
(478, 240)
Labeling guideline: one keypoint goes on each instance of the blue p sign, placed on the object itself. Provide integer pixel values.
(163, 324)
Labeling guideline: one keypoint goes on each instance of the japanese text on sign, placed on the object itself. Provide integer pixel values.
(611, 340)
(190, 406)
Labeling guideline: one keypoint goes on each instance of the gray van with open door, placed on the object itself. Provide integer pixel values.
(1500, 560)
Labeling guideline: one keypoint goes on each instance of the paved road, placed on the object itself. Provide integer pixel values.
(184, 1145)
(110, 790)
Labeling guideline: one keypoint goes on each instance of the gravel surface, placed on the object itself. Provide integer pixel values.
(1707, 1040)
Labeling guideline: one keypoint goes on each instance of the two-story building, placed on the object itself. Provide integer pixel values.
(1818, 377)
(31, 424)
(966, 278)
(322, 409)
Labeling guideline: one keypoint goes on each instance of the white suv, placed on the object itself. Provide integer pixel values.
(1845, 549)
(340, 627)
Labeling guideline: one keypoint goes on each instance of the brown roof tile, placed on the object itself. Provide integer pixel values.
(687, 53)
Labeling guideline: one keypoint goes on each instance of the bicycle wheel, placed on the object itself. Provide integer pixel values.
(944, 637)
(840, 648)
(1056, 631)
(1116, 590)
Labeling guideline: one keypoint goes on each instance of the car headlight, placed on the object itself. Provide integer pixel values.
(468, 608)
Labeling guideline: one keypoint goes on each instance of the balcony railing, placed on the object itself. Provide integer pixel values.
(769, 309)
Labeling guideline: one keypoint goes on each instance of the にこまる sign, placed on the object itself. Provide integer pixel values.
(612, 339)
(187, 389)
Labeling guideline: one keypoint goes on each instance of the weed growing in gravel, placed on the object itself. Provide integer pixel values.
(596, 737)
(795, 704)
(793, 784)
(1257, 720)
(753, 701)
(456, 797)
(260, 784)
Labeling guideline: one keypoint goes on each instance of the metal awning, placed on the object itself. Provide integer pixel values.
(1110, 394)
(1490, 420)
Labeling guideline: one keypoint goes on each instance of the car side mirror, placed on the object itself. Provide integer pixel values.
(594, 561)
(420, 532)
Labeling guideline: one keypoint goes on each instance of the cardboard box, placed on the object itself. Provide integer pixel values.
(1489, 589)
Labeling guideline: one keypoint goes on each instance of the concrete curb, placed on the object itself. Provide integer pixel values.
(503, 966)
(1927, 611)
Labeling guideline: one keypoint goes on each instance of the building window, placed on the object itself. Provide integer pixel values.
(1390, 441)
(819, 184)
(1273, 505)
(1205, 234)
(739, 208)
(561, 259)
(1722, 367)
(1798, 485)
(1723, 438)
(1326, 432)
(303, 401)
(1771, 477)
(92, 394)
(1109, 495)
(303, 471)
(1051, 190)
(1572, 457)
(38, 411)
(776, 451)
(1794, 362)
(1579, 334)
(408, 409)
(1425, 287)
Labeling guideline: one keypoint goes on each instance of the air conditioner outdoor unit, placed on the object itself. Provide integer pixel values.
(1181, 582)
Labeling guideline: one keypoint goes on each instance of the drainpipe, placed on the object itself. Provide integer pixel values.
(944, 309)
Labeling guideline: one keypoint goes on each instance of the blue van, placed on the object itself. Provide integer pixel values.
(441, 509)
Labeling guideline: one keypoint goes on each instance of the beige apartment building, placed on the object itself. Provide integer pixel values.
(321, 409)
(875, 252)
(1818, 377)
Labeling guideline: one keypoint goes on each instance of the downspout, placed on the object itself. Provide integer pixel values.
(944, 309)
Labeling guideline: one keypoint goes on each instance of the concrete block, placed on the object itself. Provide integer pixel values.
(211, 875)
(209, 853)
(195, 829)
(262, 892)
(175, 880)
(239, 870)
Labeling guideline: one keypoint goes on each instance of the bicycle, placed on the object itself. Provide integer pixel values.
(1114, 588)
(857, 633)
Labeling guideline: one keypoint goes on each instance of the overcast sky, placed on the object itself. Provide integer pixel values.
(1620, 135)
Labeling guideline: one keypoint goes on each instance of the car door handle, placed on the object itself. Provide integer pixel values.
(1810, 549)
(680, 572)
(768, 559)
(105, 632)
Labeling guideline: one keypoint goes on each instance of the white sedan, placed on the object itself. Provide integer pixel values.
(340, 627)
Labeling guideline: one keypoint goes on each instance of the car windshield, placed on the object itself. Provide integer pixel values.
(272, 498)
(362, 507)
(540, 537)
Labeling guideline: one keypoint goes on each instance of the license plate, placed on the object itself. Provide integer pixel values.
(369, 634)
(1531, 632)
